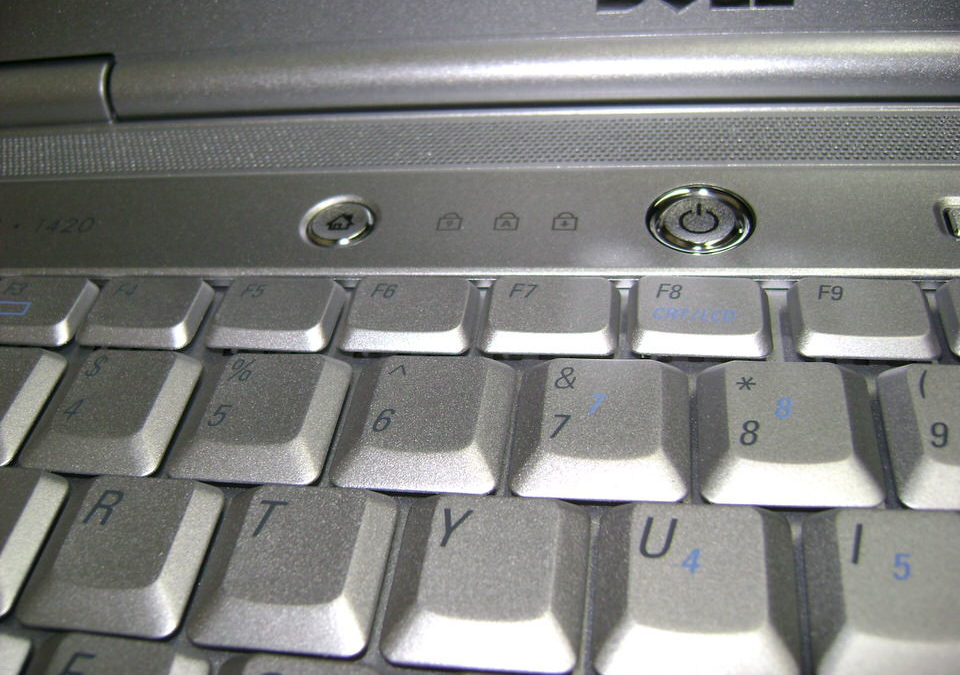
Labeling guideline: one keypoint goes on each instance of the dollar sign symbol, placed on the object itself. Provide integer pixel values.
(94, 368)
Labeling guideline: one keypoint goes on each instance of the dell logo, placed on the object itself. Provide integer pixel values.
(680, 5)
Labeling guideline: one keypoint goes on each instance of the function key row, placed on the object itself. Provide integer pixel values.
(773, 434)
(668, 316)
(484, 583)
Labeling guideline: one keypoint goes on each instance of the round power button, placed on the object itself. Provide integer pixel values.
(700, 219)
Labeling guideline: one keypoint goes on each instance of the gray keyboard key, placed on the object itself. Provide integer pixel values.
(43, 311)
(603, 430)
(787, 434)
(266, 664)
(708, 317)
(152, 313)
(279, 315)
(489, 584)
(861, 319)
(695, 589)
(77, 654)
(118, 415)
(883, 589)
(269, 420)
(296, 570)
(540, 315)
(29, 503)
(426, 424)
(27, 378)
(123, 558)
(416, 315)
(922, 426)
(14, 651)
(948, 304)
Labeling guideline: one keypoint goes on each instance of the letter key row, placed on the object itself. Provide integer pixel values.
(482, 583)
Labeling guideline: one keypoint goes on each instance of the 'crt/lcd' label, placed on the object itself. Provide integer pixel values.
(691, 314)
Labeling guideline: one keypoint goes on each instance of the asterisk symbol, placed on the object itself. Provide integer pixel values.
(747, 383)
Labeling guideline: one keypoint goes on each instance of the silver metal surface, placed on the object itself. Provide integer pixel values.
(55, 91)
(948, 304)
(275, 314)
(921, 422)
(296, 570)
(412, 315)
(29, 503)
(787, 434)
(13, 654)
(43, 311)
(82, 654)
(426, 424)
(700, 219)
(489, 584)
(27, 378)
(146, 312)
(695, 589)
(883, 591)
(682, 316)
(117, 416)
(260, 664)
(269, 420)
(533, 315)
(224, 227)
(602, 430)
(775, 67)
(154, 535)
(861, 319)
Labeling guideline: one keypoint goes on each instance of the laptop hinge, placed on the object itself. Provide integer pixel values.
(55, 91)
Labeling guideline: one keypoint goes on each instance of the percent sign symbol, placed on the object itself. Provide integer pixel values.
(242, 369)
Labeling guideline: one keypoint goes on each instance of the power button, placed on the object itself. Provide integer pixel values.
(700, 219)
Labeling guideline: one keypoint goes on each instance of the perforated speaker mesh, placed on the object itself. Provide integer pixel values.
(912, 135)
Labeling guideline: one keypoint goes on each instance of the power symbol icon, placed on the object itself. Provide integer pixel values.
(699, 220)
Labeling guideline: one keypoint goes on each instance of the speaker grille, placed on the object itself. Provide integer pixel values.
(479, 139)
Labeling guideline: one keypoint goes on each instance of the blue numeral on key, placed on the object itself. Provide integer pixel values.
(692, 561)
(901, 563)
(598, 400)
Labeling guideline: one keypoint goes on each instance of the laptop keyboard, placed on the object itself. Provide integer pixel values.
(530, 474)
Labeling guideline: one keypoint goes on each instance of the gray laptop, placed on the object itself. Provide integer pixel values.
(591, 336)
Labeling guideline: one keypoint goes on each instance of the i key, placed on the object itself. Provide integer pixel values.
(123, 557)
(118, 415)
(306, 561)
(883, 590)
(787, 434)
(485, 583)
(602, 430)
(695, 589)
